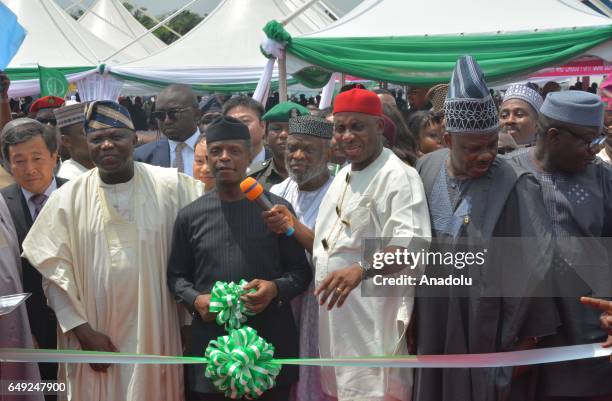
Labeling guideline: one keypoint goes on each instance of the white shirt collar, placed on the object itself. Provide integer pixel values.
(190, 142)
(52, 187)
(261, 156)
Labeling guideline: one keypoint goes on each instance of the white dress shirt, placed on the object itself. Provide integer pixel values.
(188, 152)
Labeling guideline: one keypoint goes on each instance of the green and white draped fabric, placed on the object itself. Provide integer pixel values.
(418, 43)
(24, 81)
(427, 61)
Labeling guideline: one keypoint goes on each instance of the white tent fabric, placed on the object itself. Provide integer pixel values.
(387, 18)
(55, 39)
(224, 48)
(444, 17)
(110, 21)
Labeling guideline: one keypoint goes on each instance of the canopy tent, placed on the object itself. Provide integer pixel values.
(110, 21)
(222, 52)
(373, 41)
(54, 39)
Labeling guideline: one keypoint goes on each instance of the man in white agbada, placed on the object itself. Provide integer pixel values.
(14, 327)
(308, 150)
(102, 245)
(376, 195)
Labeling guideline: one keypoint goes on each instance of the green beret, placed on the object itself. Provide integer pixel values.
(285, 110)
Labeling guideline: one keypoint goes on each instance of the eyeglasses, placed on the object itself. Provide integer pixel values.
(593, 146)
(171, 113)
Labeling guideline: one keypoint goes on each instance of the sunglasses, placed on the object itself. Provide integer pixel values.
(171, 113)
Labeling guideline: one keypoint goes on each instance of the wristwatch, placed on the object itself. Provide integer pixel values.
(367, 271)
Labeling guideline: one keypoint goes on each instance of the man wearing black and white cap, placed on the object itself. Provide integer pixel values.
(70, 125)
(474, 197)
(577, 189)
(308, 150)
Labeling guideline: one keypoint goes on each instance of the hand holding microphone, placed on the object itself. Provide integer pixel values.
(254, 192)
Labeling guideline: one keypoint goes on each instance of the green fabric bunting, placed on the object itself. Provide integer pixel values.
(240, 364)
(225, 302)
(429, 60)
(276, 31)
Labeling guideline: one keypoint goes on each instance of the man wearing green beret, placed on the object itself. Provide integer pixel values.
(273, 171)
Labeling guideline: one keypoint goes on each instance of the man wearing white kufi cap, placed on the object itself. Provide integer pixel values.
(70, 125)
(518, 114)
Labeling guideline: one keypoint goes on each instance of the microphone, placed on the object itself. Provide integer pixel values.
(254, 192)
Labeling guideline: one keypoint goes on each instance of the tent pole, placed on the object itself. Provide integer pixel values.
(77, 3)
(165, 25)
(605, 9)
(342, 79)
(297, 12)
(168, 18)
(282, 77)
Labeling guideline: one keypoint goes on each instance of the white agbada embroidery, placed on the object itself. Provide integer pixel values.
(386, 199)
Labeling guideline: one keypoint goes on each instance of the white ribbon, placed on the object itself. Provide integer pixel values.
(492, 360)
(273, 50)
(263, 85)
(328, 92)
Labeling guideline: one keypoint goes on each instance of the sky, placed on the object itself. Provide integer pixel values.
(157, 7)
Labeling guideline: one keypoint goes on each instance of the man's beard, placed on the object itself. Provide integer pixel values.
(308, 174)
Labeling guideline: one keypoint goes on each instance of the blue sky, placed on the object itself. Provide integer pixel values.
(157, 7)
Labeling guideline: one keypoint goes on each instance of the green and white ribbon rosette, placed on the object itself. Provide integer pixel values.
(225, 302)
(240, 363)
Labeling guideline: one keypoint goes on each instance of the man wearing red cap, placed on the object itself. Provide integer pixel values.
(42, 109)
(375, 196)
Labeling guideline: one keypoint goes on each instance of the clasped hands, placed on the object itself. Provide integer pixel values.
(606, 317)
(256, 302)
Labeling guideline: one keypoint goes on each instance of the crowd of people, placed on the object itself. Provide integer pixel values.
(120, 241)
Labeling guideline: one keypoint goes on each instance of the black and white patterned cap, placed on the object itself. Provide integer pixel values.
(310, 125)
(469, 107)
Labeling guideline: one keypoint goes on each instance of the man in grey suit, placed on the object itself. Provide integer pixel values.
(30, 150)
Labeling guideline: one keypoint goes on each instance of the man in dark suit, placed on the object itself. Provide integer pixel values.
(177, 115)
(222, 236)
(30, 150)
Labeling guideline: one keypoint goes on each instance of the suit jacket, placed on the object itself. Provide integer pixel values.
(155, 153)
(42, 318)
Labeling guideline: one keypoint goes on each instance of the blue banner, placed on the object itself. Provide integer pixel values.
(11, 35)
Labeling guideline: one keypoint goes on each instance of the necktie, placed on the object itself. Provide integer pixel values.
(38, 201)
(178, 157)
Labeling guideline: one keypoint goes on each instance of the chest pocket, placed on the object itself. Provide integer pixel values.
(360, 216)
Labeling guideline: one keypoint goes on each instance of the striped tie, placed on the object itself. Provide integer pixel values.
(38, 201)
(178, 157)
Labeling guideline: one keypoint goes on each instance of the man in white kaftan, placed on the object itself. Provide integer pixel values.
(307, 153)
(102, 245)
(376, 195)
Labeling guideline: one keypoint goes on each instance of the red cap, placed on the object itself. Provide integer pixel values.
(358, 101)
(47, 102)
